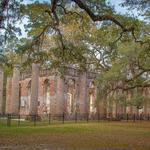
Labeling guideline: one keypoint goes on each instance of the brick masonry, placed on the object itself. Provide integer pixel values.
(70, 94)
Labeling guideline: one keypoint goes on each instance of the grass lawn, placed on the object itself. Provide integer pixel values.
(84, 136)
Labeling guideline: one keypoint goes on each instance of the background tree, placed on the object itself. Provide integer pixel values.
(9, 15)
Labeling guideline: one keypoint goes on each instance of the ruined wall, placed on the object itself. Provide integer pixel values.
(72, 93)
(26, 95)
(58, 93)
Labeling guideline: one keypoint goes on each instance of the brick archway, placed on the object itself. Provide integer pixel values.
(70, 96)
(47, 100)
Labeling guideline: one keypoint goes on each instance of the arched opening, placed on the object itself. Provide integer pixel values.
(21, 102)
(71, 104)
(92, 105)
(28, 94)
(46, 104)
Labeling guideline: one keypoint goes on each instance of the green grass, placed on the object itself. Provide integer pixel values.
(129, 135)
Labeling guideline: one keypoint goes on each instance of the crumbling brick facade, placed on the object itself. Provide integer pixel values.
(74, 92)
(56, 94)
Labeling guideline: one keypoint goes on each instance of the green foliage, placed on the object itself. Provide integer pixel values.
(9, 16)
(137, 100)
(37, 17)
(142, 5)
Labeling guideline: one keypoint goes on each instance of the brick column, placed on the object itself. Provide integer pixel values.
(15, 90)
(83, 100)
(60, 98)
(1, 91)
(34, 89)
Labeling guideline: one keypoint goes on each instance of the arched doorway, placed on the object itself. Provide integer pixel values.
(28, 96)
(46, 103)
(92, 102)
(71, 103)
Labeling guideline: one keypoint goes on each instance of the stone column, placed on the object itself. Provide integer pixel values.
(60, 97)
(1, 91)
(15, 90)
(83, 100)
(34, 89)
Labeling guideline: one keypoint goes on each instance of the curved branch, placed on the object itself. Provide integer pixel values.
(70, 12)
(137, 75)
(54, 5)
(95, 18)
(121, 34)
(128, 87)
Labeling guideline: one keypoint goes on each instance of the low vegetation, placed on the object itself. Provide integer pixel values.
(107, 135)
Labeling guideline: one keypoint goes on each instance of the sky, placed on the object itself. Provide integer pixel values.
(120, 9)
(117, 6)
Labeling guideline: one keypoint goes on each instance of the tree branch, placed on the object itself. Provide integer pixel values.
(70, 12)
(137, 75)
(95, 18)
(126, 88)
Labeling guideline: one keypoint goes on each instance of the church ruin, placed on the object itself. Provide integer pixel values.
(46, 92)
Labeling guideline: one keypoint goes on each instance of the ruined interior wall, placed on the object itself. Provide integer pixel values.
(24, 99)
